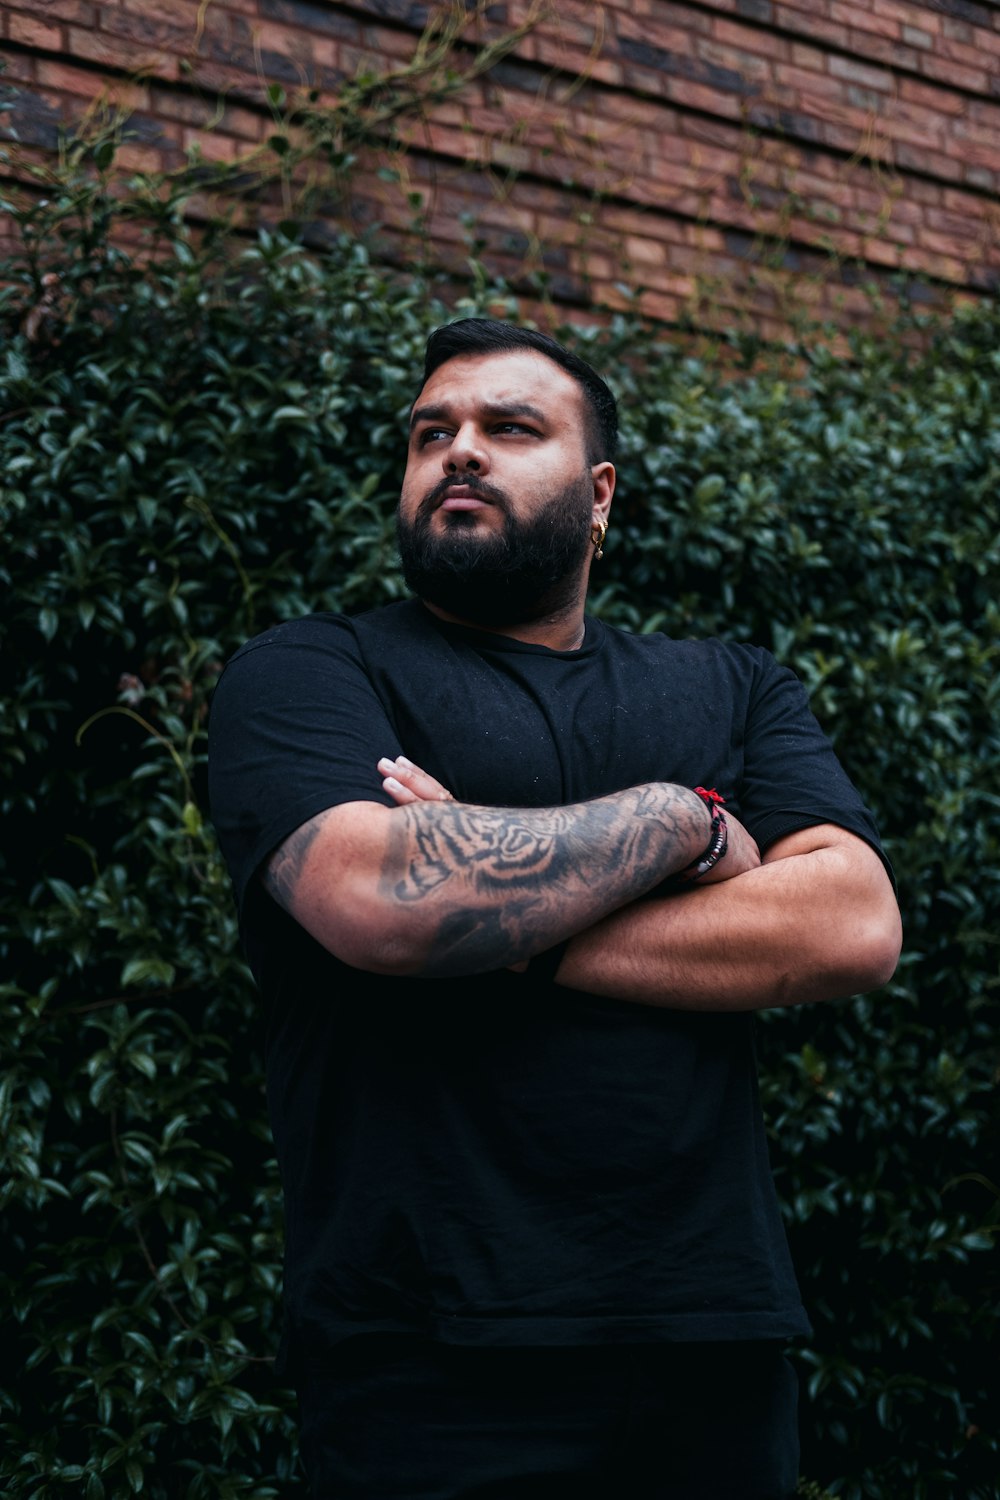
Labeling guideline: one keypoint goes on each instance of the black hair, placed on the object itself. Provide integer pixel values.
(491, 336)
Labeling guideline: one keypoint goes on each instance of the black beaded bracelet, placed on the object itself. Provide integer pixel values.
(717, 845)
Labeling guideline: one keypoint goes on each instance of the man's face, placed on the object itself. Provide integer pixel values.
(498, 497)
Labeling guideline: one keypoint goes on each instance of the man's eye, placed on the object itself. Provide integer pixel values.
(514, 427)
(432, 434)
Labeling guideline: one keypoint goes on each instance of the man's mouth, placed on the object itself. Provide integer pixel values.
(460, 497)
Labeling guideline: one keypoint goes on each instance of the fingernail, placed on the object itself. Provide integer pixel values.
(392, 785)
(401, 760)
(385, 764)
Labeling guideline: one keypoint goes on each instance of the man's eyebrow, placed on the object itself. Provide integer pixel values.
(427, 414)
(494, 409)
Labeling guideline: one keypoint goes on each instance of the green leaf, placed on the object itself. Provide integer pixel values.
(147, 971)
(192, 820)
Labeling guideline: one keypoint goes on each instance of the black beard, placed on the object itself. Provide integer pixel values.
(528, 570)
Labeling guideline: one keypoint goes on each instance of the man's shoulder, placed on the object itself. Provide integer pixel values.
(696, 651)
(327, 629)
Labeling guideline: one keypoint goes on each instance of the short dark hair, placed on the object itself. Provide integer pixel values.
(470, 336)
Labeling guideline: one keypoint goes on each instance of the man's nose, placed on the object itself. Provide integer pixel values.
(467, 452)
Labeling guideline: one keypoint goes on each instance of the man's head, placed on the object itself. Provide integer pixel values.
(502, 486)
(472, 336)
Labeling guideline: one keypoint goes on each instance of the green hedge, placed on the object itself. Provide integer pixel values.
(194, 446)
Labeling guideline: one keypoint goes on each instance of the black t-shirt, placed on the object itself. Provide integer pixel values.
(498, 1159)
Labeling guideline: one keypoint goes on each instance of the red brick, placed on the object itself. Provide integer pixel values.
(840, 193)
(936, 99)
(875, 204)
(167, 103)
(812, 58)
(814, 27)
(860, 73)
(929, 193)
(958, 31)
(965, 204)
(889, 244)
(303, 46)
(243, 7)
(17, 67)
(960, 226)
(33, 33)
(64, 78)
(637, 112)
(884, 49)
(170, 12)
(974, 79)
(747, 64)
(213, 146)
(809, 85)
(700, 96)
(984, 112)
(903, 11)
(122, 30)
(924, 130)
(748, 38)
(967, 157)
(917, 37)
(116, 53)
(574, 31)
(917, 159)
(983, 132)
(860, 20)
(139, 158)
(644, 252)
(81, 11)
(946, 244)
(670, 38)
(704, 238)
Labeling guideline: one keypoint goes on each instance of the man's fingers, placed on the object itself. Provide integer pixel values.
(406, 782)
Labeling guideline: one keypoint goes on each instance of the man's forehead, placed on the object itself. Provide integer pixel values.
(497, 379)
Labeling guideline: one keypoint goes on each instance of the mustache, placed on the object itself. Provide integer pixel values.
(471, 482)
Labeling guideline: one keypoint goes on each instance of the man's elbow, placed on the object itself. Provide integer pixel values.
(374, 946)
(882, 953)
(358, 928)
(867, 953)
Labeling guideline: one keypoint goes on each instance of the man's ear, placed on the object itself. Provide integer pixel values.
(604, 489)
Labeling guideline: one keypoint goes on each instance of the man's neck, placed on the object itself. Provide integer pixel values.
(563, 631)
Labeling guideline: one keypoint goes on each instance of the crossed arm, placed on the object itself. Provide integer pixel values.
(434, 886)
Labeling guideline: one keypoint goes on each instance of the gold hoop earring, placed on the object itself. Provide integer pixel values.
(598, 532)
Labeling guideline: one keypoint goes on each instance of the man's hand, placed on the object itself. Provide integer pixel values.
(406, 782)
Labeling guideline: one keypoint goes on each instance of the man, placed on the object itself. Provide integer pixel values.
(510, 942)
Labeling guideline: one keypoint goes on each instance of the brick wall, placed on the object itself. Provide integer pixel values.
(734, 158)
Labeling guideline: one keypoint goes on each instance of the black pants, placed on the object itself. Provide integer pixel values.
(401, 1418)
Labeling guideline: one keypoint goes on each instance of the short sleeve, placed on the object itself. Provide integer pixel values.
(295, 727)
(792, 778)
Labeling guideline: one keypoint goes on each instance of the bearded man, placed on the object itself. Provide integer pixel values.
(512, 884)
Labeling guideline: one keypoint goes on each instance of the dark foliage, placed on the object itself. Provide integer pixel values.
(193, 446)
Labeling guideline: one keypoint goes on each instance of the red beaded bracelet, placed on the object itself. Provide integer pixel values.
(717, 844)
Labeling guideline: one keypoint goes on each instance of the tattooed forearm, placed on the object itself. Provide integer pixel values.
(498, 884)
(282, 871)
